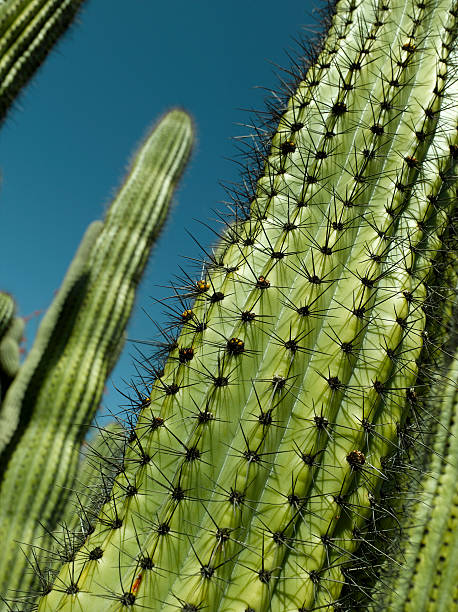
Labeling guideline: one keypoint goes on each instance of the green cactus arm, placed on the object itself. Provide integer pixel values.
(62, 382)
(7, 308)
(350, 418)
(262, 444)
(11, 330)
(18, 404)
(9, 348)
(28, 30)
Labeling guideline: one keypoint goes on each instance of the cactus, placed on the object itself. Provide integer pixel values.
(11, 330)
(28, 30)
(7, 309)
(94, 474)
(10, 353)
(53, 399)
(257, 457)
(427, 577)
(262, 446)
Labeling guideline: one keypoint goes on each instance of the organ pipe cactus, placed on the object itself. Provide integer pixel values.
(428, 576)
(255, 467)
(11, 330)
(28, 30)
(256, 460)
(53, 398)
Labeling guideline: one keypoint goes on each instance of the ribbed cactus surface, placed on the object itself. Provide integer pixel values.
(28, 30)
(54, 397)
(425, 574)
(251, 477)
(11, 330)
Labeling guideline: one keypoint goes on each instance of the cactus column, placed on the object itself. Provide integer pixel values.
(251, 477)
(11, 330)
(53, 399)
(427, 576)
(28, 30)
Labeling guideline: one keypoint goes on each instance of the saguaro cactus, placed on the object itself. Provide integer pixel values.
(11, 330)
(255, 469)
(49, 406)
(28, 30)
(427, 577)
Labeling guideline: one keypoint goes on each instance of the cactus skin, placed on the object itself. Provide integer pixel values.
(9, 348)
(28, 30)
(428, 576)
(53, 400)
(11, 331)
(260, 450)
(100, 460)
(7, 309)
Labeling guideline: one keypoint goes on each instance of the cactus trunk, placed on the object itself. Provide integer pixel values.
(251, 477)
(28, 30)
(53, 399)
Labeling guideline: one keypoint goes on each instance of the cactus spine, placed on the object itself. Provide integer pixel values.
(424, 574)
(28, 30)
(251, 477)
(53, 399)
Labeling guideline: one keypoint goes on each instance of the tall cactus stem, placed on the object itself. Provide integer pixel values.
(28, 30)
(11, 329)
(54, 398)
(428, 562)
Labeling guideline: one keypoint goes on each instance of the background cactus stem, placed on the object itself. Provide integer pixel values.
(54, 397)
(28, 31)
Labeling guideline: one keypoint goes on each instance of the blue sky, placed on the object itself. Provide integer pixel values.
(64, 149)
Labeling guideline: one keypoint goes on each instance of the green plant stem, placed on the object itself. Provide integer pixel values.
(53, 400)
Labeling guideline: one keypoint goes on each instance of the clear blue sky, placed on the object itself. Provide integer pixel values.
(64, 149)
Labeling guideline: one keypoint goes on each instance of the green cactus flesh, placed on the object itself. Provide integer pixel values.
(54, 398)
(260, 448)
(426, 576)
(11, 330)
(28, 30)
(94, 477)
(7, 308)
(9, 348)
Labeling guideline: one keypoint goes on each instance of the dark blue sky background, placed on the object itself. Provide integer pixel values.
(64, 149)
